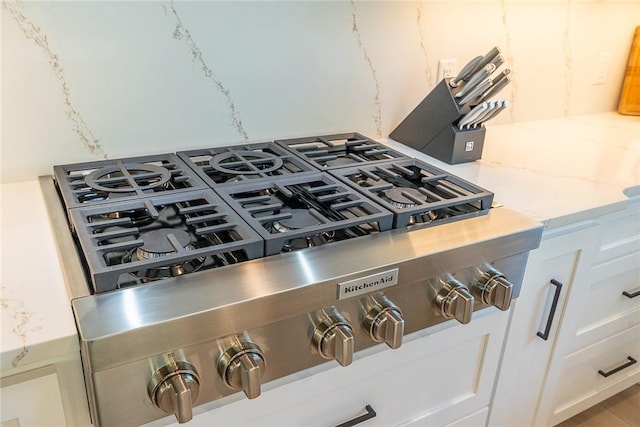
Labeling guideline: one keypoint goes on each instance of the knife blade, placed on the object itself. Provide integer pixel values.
(476, 91)
(475, 80)
(471, 115)
(465, 71)
(496, 87)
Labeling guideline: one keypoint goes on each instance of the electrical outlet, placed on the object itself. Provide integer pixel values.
(447, 68)
(602, 68)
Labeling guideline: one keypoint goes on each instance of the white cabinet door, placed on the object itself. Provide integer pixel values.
(32, 400)
(552, 273)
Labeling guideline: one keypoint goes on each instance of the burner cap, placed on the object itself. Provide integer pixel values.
(244, 162)
(300, 219)
(125, 178)
(341, 161)
(396, 197)
(162, 242)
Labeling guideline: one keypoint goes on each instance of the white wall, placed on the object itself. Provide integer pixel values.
(83, 80)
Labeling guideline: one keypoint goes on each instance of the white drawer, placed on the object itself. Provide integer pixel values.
(620, 234)
(476, 419)
(583, 384)
(606, 310)
(442, 375)
(32, 398)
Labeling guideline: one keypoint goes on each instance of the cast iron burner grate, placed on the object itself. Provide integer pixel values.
(103, 181)
(240, 163)
(139, 241)
(304, 211)
(416, 192)
(340, 150)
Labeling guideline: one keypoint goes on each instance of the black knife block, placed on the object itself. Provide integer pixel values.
(431, 128)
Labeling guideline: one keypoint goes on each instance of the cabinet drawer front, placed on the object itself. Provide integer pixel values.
(448, 373)
(582, 385)
(606, 310)
(478, 418)
(620, 234)
(33, 402)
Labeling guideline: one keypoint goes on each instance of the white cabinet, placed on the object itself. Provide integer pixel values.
(435, 378)
(32, 399)
(594, 337)
(50, 393)
(553, 272)
(603, 341)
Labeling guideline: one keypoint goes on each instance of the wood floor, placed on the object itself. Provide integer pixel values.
(621, 410)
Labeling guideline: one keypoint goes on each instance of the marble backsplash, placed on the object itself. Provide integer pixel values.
(86, 80)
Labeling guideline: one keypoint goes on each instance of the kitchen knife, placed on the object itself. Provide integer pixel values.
(496, 87)
(471, 115)
(503, 106)
(488, 58)
(475, 80)
(503, 74)
(465, 72)
(498, 61)
(486, 113)
(476, 91)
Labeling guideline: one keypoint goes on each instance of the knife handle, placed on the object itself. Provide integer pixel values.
(465, 71)
(475, 80)
(483, 116)
(496, 87)
(476, 92)
(503, 75)
(473, 114)
(488, 58)
(496, 111)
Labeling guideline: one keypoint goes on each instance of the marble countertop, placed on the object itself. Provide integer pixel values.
(37, 322)
(557, 171)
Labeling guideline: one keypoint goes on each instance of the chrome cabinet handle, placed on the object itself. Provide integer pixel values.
(631, 293)
(556, 296)
(631, 361)
(362, 418)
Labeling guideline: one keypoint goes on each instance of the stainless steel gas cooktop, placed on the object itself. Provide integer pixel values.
(185, 271)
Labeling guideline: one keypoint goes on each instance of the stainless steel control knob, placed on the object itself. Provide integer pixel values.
(242, 366)
(174, 387)
(384, 321)
(333, 337)
(493, 288)
(455, 301)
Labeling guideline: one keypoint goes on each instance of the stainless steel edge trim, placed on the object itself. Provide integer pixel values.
(72, 271)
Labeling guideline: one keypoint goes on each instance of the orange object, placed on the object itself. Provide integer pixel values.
(630, 96)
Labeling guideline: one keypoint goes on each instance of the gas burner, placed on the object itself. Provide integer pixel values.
(244, 162)
(237, 164)
(340, 150)
(137, 217)
(137, 241)
(341, 161)
(163, 242)
(305, 210)
(307, 242)
(403, 197)
(300, 218)
(105, 181)
(416, 192)
(125, 178)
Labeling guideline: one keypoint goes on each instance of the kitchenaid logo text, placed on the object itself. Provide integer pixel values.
(367, 284)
